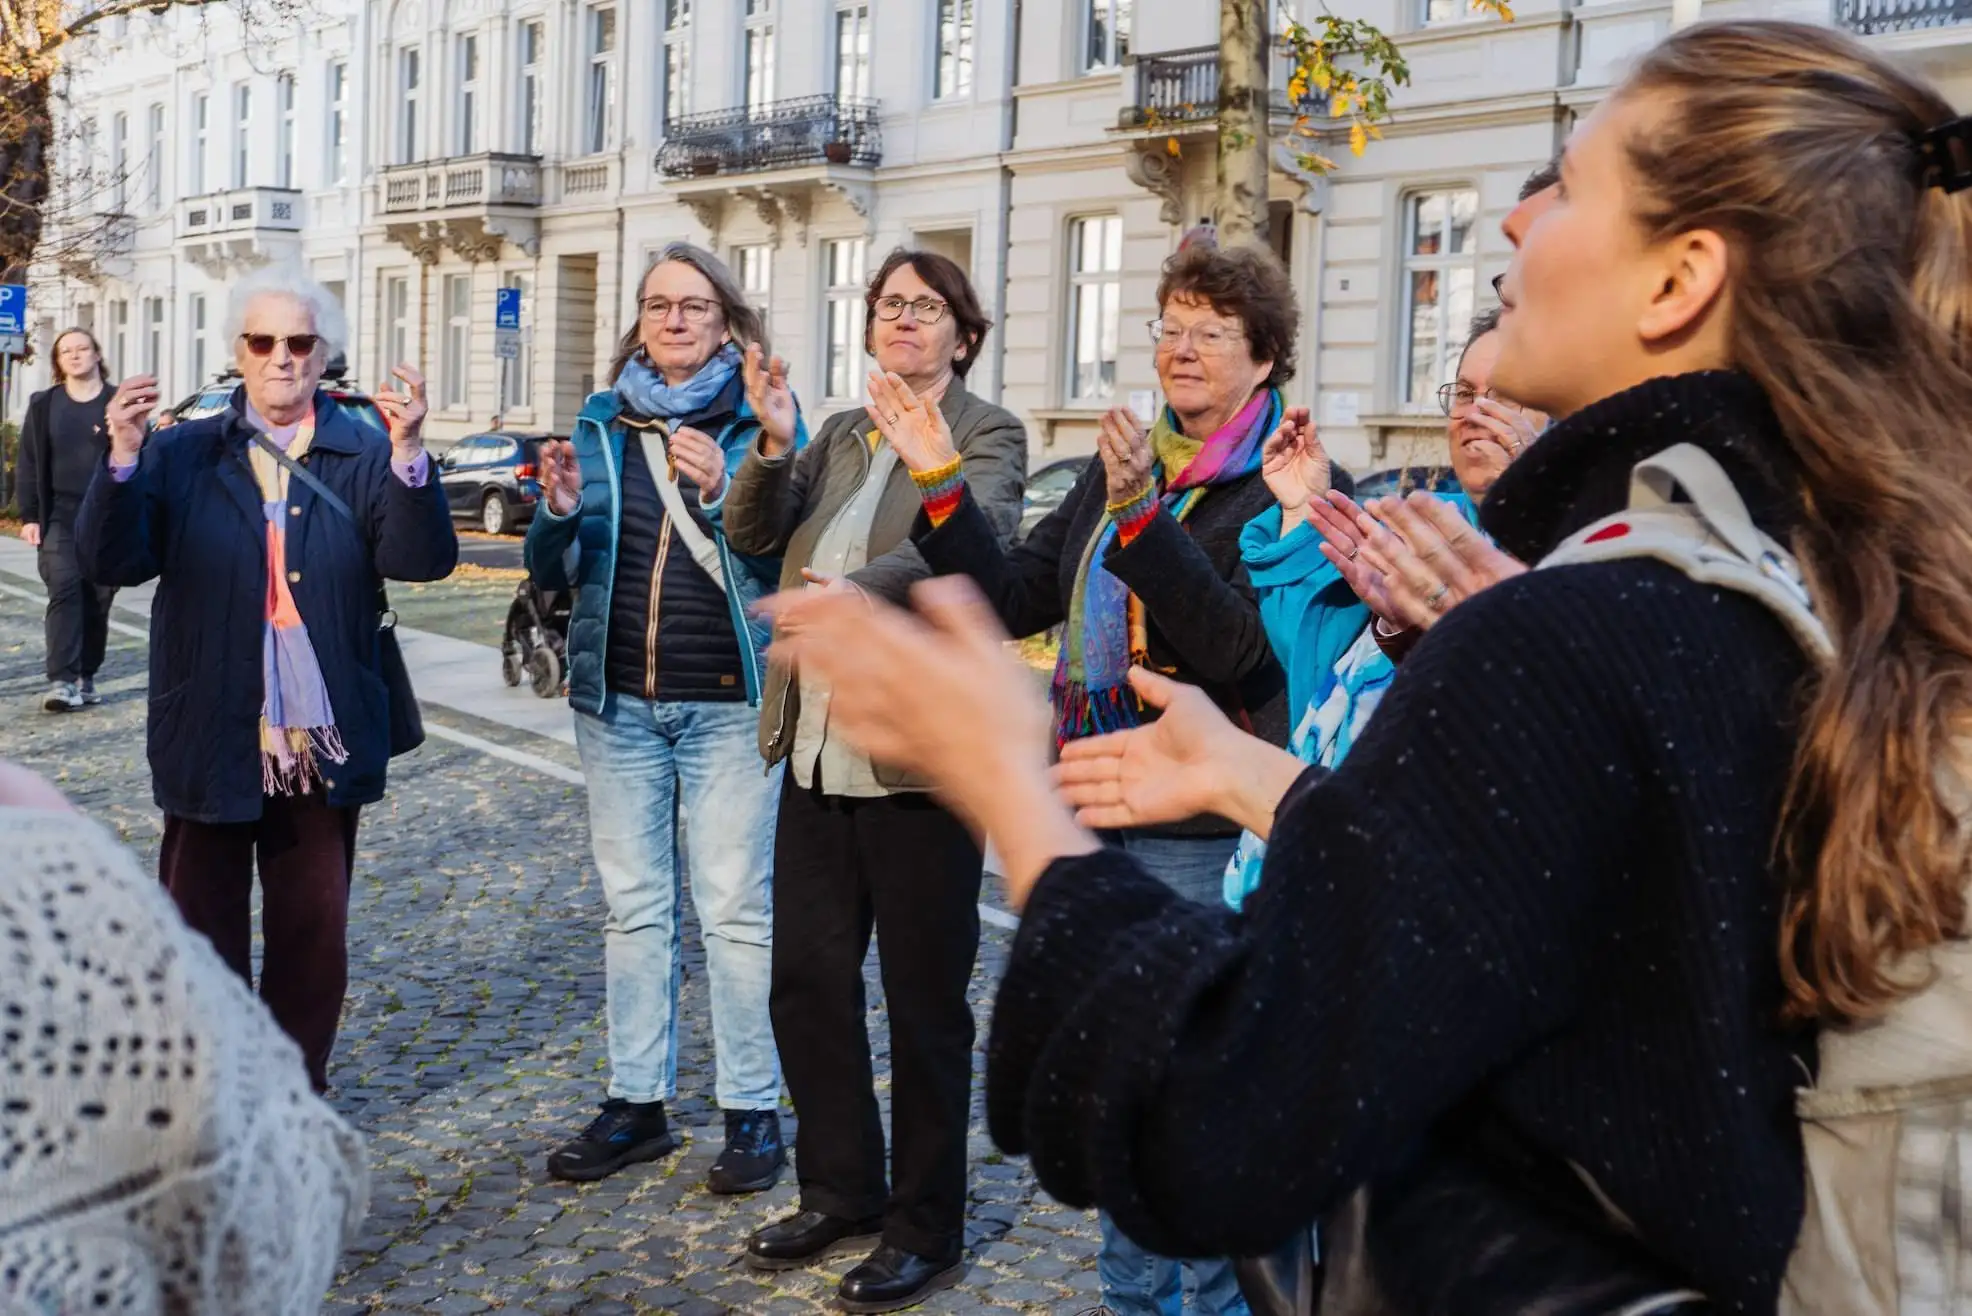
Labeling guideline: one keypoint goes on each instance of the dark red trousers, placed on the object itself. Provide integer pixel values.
(307, 851)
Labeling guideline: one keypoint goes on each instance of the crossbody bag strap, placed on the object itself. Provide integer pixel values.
(657, 456)
(386, 617)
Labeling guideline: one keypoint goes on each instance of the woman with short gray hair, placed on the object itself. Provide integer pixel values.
(275, 705)
(664, 676)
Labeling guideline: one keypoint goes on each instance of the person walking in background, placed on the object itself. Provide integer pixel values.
(1142, 562)
(63, 441)
(267, 527)
(861, 845)
(665, 671)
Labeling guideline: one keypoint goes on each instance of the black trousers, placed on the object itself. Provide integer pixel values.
(78, 622)
(907, 867)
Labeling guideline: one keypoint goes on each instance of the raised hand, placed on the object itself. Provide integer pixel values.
(914, 426)
(1336, 518)
(1126, 456)
(1164, 772)
(129, 407)
(561, 477)
(701, 460)
(770, 398)
(404, 412)
(1430, 557)
(1295, 466)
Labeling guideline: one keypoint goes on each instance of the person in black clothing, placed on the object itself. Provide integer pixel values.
(63, 441)
(1552, 917)
(665, 674)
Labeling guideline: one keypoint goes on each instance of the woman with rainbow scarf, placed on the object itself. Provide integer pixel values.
(1142, 562)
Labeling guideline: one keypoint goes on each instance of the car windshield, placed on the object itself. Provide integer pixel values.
(363, 412)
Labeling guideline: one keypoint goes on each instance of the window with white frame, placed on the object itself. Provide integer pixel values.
(338, 124)
(520, 370)
(154, 336)
(397, 324)
(201, 141)
(119, 339)
(676, 101)
(843, 261)
(1106, 34)
(458, 340)
(85, 147)
(599, 125)
(954, 75)
(754, 264)
(531, 48)
(154, 160)
(1095, 301)
(852, 51)
(195, 334)
(284, 105)
(759, 80)
(242, 132)
(466, 138)
(1443, 11)
(1441, 274)
(120, 160)
(410, 80)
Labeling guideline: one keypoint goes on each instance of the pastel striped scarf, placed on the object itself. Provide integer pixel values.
(297, 726)
(1107, 632)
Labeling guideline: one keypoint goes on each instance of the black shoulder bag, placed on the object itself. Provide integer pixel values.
(407, 723)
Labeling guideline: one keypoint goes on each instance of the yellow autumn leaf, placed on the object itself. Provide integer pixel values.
(1171, 146)
(1297, 87)
(1358, 138)
(1325, 79)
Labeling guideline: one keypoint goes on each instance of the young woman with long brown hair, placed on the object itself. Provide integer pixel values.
(1537, 939)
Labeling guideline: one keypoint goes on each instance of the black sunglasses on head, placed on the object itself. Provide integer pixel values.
(263, 344)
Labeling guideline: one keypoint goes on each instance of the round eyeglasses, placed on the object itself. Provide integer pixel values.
(928, 310)
(1454, 398)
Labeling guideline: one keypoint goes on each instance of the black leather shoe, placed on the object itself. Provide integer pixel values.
(806, 1237)
(893, 1279)
(623, 1134)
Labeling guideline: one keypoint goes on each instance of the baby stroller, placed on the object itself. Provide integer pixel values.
(535, 646)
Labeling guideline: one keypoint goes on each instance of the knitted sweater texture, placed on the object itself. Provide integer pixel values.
(1538, 890)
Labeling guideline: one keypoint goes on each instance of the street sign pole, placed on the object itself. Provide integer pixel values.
(506, 336)
(13, 341)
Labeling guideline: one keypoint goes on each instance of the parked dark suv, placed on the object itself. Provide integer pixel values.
(1047, 488)
(212, 399)
(494, 480)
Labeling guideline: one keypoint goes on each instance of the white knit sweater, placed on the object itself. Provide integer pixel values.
(160, 1150)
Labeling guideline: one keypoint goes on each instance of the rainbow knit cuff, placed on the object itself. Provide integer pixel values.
(1133, 516)
(940, 488)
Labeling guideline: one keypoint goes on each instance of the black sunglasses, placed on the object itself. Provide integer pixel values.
(263, 344)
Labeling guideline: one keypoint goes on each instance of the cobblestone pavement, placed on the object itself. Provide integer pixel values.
(472, 1044)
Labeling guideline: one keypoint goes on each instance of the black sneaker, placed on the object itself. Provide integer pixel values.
(86, 687)
(624, 1134)
(754, 1153)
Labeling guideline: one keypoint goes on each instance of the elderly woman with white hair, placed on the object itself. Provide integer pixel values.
(272, 682)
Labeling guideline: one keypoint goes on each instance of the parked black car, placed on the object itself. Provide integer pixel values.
(212, 399)
(1406, 480)
(1046, 488)
(494, 480)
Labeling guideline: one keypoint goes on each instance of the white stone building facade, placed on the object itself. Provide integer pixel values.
(417, 155)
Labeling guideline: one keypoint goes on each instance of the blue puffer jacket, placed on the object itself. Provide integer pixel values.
(578, 551)
(190, 517)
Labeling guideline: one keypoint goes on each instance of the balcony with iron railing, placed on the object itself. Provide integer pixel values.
(812, 130)
(1885, 17)
(1180, 88)
(462, 183)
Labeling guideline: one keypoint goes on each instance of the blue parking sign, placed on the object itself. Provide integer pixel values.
(13, 308)
(506, 308)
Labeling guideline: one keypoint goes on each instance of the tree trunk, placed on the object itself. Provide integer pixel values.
(27, 135)
(1240, 207)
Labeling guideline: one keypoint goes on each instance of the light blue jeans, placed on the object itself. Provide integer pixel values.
(643, 760)
(1136, 1282)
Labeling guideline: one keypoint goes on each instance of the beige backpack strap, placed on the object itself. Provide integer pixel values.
(1708, 535)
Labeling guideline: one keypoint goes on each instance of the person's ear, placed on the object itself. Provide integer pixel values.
(1690, 283)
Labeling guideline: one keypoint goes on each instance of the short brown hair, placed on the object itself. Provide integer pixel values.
(1247, 282)
(945, 278)
(743, 322)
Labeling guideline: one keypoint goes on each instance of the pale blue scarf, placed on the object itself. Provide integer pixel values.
(644, 391)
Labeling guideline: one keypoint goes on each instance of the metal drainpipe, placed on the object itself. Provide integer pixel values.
(1001, 258)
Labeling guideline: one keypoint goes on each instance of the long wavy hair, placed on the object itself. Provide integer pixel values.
(744, 323)
(55, 358)
(1851, 288)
